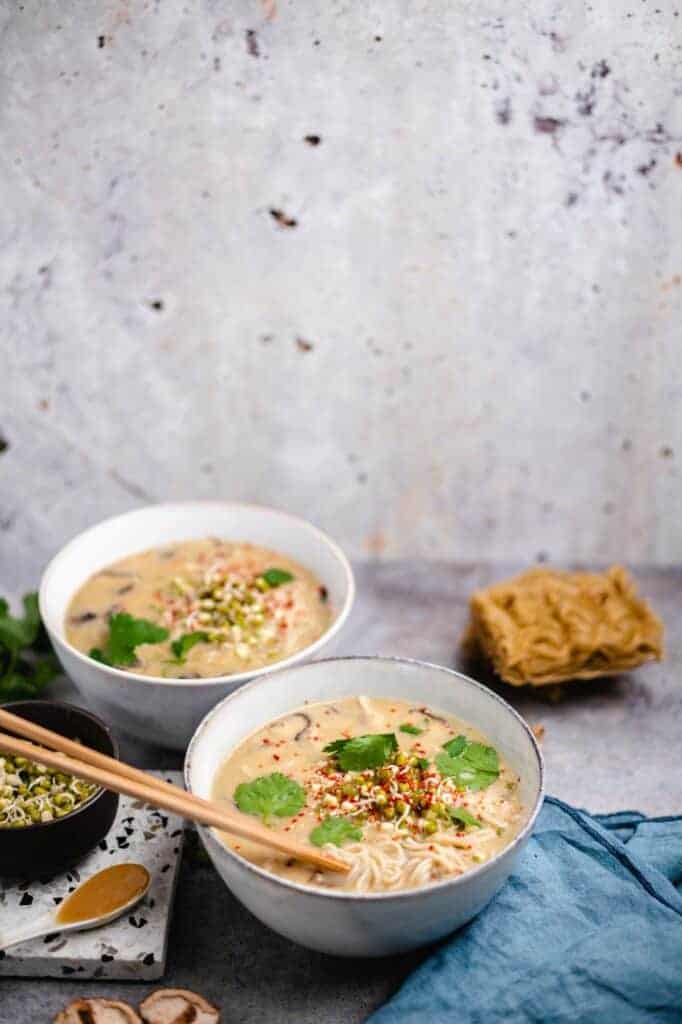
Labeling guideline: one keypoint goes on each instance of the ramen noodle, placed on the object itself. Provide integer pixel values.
(547, 626)
(197, 609)
(406, 795)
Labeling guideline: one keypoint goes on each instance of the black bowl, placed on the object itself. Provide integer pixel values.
(48, 847)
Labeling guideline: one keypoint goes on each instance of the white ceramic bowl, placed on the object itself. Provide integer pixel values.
(167, 711)
(365, 924)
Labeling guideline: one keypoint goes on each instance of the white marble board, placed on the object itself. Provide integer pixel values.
(132, 948)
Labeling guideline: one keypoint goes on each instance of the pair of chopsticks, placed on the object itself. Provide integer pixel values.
(75, 759)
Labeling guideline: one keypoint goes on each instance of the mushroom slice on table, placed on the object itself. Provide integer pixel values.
(178, 1006)
(97, 1011)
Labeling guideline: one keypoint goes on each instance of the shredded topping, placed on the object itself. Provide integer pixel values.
(31, 793)
(236, 608)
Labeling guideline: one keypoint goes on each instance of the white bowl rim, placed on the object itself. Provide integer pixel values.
(310, 890)
(236, 677)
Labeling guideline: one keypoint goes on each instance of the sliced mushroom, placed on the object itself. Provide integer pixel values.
(178, 1006)
(307, 722)
(97, 1011)
(77, 620)
(429, 714)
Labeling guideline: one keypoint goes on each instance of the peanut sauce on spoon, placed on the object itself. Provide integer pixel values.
(104, 893)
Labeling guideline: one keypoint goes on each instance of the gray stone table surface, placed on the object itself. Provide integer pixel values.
(609, 744)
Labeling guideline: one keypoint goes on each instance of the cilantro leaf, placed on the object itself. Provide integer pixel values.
(455, 746)
(413, 730)
(270, 794)
(474, 766)
(362, 752)
(185, 643)
(18, 633)
(275, 577)
(23, 671)
(97, 654)
(125, 634)
(335, 830)
(423, 763)
(463, 816)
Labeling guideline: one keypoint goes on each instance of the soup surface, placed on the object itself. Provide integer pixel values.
(197, 609)
(407, 795)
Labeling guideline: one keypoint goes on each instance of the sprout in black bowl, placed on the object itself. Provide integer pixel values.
(46, 847)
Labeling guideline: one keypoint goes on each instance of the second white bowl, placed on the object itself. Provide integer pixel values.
(364, 924)
(166, 711)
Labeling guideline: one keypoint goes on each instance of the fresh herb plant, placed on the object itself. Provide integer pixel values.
(270, 794)
(361, 752)
(125, 634)
(27, 663)
(472, 765)
(335, 830)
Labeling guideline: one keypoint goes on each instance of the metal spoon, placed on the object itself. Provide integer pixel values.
(51, 922)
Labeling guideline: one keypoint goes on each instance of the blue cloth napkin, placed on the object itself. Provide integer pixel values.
(588, 930)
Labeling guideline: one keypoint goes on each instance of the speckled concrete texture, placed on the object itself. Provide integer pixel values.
(414, 271)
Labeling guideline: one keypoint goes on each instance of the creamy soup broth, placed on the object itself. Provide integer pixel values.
(399, 827)
(210, 587)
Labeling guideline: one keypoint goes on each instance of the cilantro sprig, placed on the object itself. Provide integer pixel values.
(472, 765)
(361, 752)
(27, 663)
(336, 830)
(270, 794)
(184, 644)
(412, 730)
(461, 815)
(125, 634)
(276, 577)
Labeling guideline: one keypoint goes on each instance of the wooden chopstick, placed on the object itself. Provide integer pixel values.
(55, 741)
(167, 796)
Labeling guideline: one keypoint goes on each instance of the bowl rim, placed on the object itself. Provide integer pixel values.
(99, 793)
(235, 677)
(370, 897)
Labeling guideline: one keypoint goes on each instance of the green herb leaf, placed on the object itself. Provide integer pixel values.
(413, 730)
(463, 816)
(270, 794)
(97, 654)
(23, 671)
(185, 643)
(18, 633)
(455, 746)
(362, 752)
(125, 634)
(473, 767)
(335, 830)
(275, 577)
(423, 763)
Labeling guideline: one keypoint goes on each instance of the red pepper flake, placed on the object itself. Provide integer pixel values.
(276, 757)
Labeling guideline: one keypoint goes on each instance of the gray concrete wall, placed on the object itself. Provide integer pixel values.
(458, 335)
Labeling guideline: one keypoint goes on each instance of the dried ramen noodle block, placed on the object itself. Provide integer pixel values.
(547, 626)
